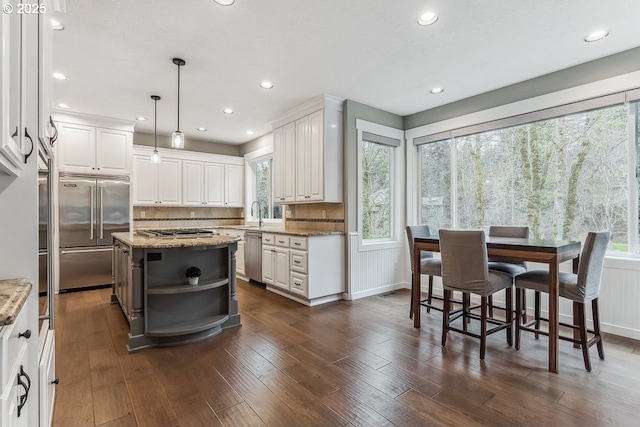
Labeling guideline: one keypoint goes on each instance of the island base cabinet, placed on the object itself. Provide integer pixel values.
(162, 308)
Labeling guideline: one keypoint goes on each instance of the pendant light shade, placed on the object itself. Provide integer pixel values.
(155, 156)
(177, 137)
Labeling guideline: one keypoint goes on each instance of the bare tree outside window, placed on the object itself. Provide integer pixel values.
(376, 190)
(264, 190)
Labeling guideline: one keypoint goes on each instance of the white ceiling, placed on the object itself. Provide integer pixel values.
(118, 53)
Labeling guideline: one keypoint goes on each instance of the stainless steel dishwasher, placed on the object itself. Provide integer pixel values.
(253, 255)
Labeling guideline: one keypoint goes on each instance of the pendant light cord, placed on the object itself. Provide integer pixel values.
(155, 124)
(178, 97)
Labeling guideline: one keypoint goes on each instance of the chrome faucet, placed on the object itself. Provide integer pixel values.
(259, 213)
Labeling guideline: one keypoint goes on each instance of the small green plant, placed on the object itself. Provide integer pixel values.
(193, 271)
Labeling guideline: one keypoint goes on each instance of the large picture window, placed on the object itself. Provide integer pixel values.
(563, 177)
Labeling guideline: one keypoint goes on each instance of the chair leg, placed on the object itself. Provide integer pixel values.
(523, 313)
(430, 293)
(445, 316)
(490, 303)
(509, 316)
(519, 298)
(537, 312)
(466, 304)
(578, 313)
(483, 326)
(596, 327)
(411, 306)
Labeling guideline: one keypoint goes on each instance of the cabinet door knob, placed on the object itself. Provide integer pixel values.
(26, 334)
(56, 381)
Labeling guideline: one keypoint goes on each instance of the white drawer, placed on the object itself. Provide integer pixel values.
(268, 239)
(282, 240)
(13, 344)
(298, 284)
(298, 243)
(298, 261)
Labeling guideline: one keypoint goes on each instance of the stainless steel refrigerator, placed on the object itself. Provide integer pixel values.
(91, 208)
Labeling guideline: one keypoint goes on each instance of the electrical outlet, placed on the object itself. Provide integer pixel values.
(143, 214)
(193, 214)
(324, 213)
(287, 214)
(395, 265)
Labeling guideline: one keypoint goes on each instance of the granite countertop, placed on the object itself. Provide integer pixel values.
(140, 241)
(13, 294)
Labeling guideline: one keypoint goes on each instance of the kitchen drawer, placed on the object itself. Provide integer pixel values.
(298, 261)
(282, 240)
(268, 239)
(12, 344)
(298, 243)
(298, 284)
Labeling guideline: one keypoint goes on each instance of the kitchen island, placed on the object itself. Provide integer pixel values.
(160, 305)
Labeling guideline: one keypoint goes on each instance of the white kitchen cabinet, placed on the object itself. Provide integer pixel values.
(156, 183)
(309, 270)
(284, 156)
(308, 149)
(214, 184)
(18, 371)
(233, 185)
(85, 148)
(192, 183)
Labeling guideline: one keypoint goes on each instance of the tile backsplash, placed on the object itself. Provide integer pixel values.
(169, 217)
(315, 216)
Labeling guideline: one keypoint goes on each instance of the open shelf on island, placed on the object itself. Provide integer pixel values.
(184, 287)
(187, 326)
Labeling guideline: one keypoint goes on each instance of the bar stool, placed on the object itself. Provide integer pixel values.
(580, 288)
(428, 265)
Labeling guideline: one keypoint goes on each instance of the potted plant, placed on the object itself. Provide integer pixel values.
(193, 273)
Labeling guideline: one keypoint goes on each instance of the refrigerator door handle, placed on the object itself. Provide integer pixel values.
(101, 213)
(92, 213)
(83, 251)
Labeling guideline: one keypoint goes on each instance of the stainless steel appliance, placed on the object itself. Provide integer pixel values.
(178, 232)
(253, 255)
(91, 208)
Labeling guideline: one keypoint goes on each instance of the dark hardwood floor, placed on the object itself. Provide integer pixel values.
(344, 363)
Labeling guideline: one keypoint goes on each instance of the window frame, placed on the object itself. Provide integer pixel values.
(251, 160)
(397, 189)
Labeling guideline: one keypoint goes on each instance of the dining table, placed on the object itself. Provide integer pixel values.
(550, 252)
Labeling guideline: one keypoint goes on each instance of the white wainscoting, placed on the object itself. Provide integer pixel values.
(619, 300)
(373, 272)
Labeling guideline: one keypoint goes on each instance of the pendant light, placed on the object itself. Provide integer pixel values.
(155, 156)
(177, 137)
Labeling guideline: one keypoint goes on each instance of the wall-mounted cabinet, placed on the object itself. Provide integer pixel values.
(308, 152)
(156, 183)
(202, 179)
(94, 150)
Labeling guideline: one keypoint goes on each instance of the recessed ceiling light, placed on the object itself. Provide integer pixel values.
(57, 25)
(65, 106)
(266, 85)
(250, 132)
(225, 2)
(228, 111)
(140, 119)
(596, 35)
(201, 129)
(427, 18)
(59, 76)
(436, 90)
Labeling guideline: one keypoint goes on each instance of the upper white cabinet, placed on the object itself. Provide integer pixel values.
(156, 183)
(19, 41)
(87, 148)
(307, 152)
(202, 179)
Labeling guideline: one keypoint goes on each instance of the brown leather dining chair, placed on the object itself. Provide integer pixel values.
(512, 268)
(580, 288)
(429, 266)
(465, 269)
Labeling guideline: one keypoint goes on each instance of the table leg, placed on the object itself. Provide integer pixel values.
(415, 286)
(554, 296)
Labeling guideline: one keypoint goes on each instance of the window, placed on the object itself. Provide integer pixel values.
(562, 176)
(381, 179)
(262, 189)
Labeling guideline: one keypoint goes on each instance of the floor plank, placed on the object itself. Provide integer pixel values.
(346, 363)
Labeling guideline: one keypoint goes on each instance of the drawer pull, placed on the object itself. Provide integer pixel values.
(56, 381)
(296, 243)
(297, 284)
(26, 334)
(296, 261)
(22, 400)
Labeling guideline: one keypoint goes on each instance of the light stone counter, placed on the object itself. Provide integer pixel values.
(136, 240)
(276, 230)
(13, 294)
